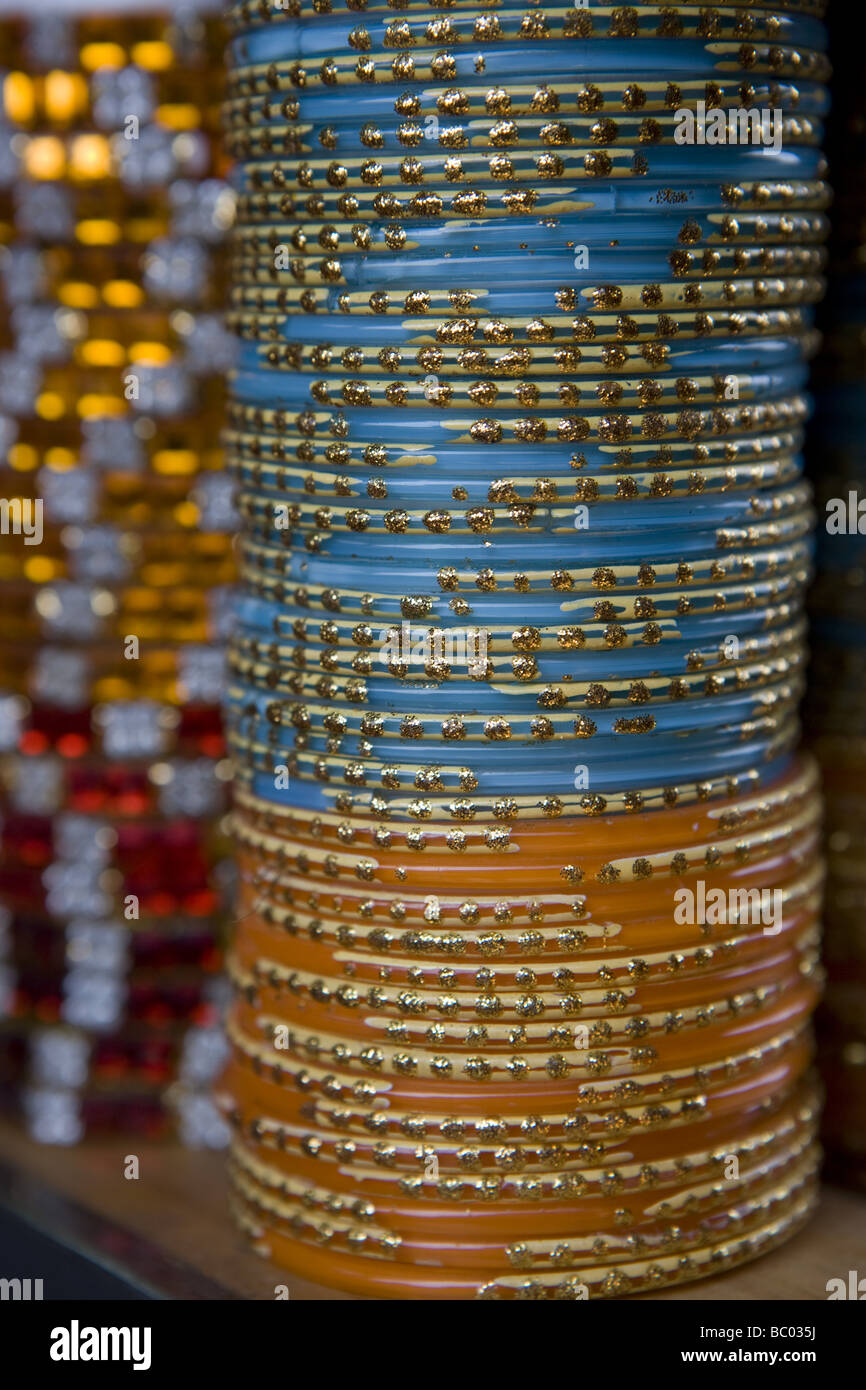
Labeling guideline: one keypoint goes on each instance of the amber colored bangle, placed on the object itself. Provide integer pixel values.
(388, 1279)
(517, 1168)
(573, 992)
(349, 1110)
(488, 1051)
(337, 1228)
(273, 1227)
(551, 917)
(574, 989)
(654, 1081)
(260, 1183)
(767, 1144)
(276, 856)
(553, 1170)
(562, 1112)
(387, 870)
(385, 1035)
(573, 1266)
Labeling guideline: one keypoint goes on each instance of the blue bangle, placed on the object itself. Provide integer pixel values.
(327, 36)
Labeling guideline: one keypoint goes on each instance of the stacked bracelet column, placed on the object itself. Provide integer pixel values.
(517, 435)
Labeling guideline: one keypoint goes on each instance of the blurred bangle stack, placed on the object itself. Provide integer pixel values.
(836, 707)
(115, 566)
(517, 429)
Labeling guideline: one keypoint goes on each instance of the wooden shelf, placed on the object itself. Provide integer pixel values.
(167, 1234)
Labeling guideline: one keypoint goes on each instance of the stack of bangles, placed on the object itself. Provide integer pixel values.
(115, 566)
(836, 707)
(529, 862)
